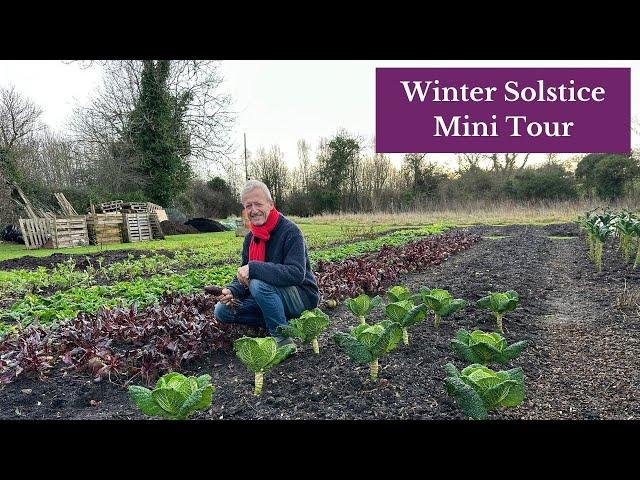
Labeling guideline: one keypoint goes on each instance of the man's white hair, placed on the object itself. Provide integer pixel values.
(252, 185)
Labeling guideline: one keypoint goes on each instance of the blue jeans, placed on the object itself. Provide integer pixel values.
(266, 306)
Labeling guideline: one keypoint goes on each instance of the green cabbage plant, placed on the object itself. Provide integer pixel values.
(478, 389)
(485, 348)
(367, 343)
(636, 234)
(598, 229)
(398, 293)
(405, 314)
(440, 301)
(499, 304)
(362, 305)
(625, 224)
(307, 327)
(174, 397)
(259, 355)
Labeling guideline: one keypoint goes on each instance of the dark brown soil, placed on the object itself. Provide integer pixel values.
(175, 228)
(82, 260)
(582, 362)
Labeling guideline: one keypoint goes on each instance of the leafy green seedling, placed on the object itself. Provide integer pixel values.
(367, 343)
(485, 348)
(259, 355)
(478, 389)
(362, 305)
(307, 328)
(398, 293)
(499, 304)
(405, 314)
(174, 397)
(441, 302)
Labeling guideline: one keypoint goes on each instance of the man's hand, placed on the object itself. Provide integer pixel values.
(226, 297)
(243, 275)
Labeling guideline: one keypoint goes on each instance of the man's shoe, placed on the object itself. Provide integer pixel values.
(282, 341)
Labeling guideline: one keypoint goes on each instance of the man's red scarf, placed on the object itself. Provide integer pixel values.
(261, 235)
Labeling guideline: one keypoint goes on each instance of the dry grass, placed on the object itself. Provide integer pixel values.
(629, 299)
(472, 213)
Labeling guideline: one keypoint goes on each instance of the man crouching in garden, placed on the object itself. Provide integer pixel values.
(275, 281)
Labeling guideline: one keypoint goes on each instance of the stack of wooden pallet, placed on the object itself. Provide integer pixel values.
(44, 230)
(36, 232)
(158, 210)
(69, 232)
(105, 228)
(134, 207)
(111, 207)
(141, 227)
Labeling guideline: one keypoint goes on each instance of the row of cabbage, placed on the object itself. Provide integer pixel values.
(600, 227)
(477, 389)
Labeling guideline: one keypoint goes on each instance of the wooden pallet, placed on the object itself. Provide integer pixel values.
(156, 229)
(105, 228)
(138, 227)
(67, 208)
(111, 207)
(36, 232)
(69, 232)
(138, 207)
(158, 210)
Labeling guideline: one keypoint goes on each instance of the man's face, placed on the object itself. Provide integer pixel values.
(257, 206)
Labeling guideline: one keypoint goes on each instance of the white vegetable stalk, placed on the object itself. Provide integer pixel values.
(362, 320)
(315, 346)
(259, 381)
(374, 369)
(405, 336)
(597, 255)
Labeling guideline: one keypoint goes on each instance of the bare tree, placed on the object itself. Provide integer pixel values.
(19, 117)
(51, 160)
(507, 163)
(19, 121)
(270, 168)
(208, 117)
(304, 162)
(469, 161)
(375, 173)
(552, 159)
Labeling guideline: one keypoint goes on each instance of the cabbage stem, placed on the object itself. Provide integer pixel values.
(626, 245)
(374, 369)
(591, 244)
(405, 336)
(499, 318)
(597, 255)
(437, 322)
(315, 346)
(362, 320)
(259, 382)
(637, 261)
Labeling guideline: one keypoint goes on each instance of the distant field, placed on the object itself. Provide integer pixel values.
(474, 213)
(331, 228)
(223, 243)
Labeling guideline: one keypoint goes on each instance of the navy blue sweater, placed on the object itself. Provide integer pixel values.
(286, 264)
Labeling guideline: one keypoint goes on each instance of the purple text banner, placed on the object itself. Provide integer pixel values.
(518, 110)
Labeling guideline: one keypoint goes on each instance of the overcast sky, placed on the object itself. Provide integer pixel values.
(278, 102)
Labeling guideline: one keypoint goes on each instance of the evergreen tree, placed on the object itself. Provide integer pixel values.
(158, 134)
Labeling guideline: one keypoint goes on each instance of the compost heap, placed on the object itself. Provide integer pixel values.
(206, 225)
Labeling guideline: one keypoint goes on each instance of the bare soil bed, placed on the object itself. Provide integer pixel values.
(582, 362)
(107, 258)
